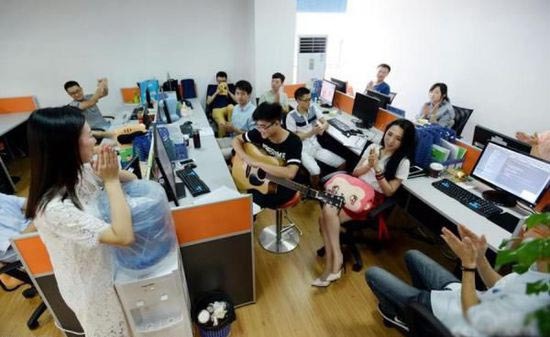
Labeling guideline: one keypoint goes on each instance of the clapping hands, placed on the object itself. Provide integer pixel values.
(470, 248)
(106, 165)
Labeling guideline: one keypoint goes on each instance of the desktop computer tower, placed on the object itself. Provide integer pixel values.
(156, 304)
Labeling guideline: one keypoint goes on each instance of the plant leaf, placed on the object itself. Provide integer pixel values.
(537, 219)
(524, 255)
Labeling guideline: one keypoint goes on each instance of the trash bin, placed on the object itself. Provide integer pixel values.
(223, 329)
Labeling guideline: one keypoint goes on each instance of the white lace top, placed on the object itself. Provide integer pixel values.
(82, 265)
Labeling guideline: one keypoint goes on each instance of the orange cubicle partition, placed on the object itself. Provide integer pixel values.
(128, 94)
(18, 104)
(291, 88)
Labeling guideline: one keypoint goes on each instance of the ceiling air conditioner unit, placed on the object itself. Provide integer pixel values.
(311, 58)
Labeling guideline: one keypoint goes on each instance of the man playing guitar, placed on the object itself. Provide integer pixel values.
(270, 136)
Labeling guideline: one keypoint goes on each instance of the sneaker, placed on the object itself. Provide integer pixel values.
(392, 320)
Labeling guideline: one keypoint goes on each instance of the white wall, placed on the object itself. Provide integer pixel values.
(45, 43)
(494, 55)
(275, 23)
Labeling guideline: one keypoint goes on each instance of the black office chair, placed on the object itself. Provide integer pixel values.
(352, 236)
(15, 269)
(422, 322)
(392, 96)
(461, 118)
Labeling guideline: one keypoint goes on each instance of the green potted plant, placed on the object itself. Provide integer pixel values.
(521, 254)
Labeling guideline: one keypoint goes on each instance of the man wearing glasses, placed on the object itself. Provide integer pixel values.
(88, 103)
(270, 136)
(308, 122)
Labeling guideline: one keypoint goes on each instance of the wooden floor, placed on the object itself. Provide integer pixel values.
(286, 303)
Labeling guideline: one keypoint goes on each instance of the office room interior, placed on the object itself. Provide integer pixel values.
(493, 55)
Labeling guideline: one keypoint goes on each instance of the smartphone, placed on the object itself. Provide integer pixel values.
(416, 171)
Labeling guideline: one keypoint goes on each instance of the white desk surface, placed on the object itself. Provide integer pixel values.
(211, 166)
(9, 121)
(457, 213)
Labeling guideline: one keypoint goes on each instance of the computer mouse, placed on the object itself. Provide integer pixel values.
(190, 166)
(326, 112)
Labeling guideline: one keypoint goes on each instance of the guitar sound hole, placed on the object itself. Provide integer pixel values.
(257, 179)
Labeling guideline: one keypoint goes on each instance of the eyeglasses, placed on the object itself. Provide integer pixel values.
(264, 127)
(305, 99)
(74, 92)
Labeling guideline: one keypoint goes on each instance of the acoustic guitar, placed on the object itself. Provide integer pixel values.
(247, 177)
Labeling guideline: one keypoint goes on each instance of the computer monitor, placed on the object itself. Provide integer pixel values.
(384, 99)
(168, 109)
(513, 175)
(328, 89)
(149, 89)
(164, 166)
(340, 85)
(133, 166)
(366, 109)
(483, 135)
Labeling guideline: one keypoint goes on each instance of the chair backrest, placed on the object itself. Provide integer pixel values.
(461, 118)
(423, 323)
(392, 96)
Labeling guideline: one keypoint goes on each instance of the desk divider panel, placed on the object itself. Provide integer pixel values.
(18, 104)
(128, 94)
(291, 88)
(216, 245)
(343, 102)
(33, 251)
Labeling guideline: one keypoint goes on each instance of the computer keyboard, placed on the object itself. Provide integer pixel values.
(467, 198)
(339, 125)
(192, 181)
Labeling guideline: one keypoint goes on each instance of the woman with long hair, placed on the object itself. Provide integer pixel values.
(64, 184)
(384, 167)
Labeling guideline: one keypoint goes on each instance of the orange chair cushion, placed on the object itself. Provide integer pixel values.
(292, 202)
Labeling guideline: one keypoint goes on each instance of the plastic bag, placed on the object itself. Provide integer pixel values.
(152, 221)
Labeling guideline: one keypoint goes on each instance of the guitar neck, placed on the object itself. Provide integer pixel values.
(289, 184)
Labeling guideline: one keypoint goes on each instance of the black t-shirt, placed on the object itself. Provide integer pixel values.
(221, 101)
(289, 151)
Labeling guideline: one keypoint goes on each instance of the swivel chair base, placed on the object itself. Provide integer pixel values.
(289, 239)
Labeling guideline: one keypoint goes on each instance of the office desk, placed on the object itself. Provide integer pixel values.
(455, 212)
(355, 143)
(215, 230)
(8, 122)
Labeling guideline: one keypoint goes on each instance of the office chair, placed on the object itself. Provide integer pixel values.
(14, 269)
(351, 237)
(422, 322)
(461, 118)
(392, 96)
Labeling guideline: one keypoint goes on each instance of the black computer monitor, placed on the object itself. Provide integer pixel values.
(366, 109)
(328, 89)
(133, 166)
(483, 135)
(513, 175)
(384, 99)
(164, 166)
(340, 85)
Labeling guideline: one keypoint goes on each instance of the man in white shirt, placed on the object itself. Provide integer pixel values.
(307, 122)
(276, 94)
(501, 310)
